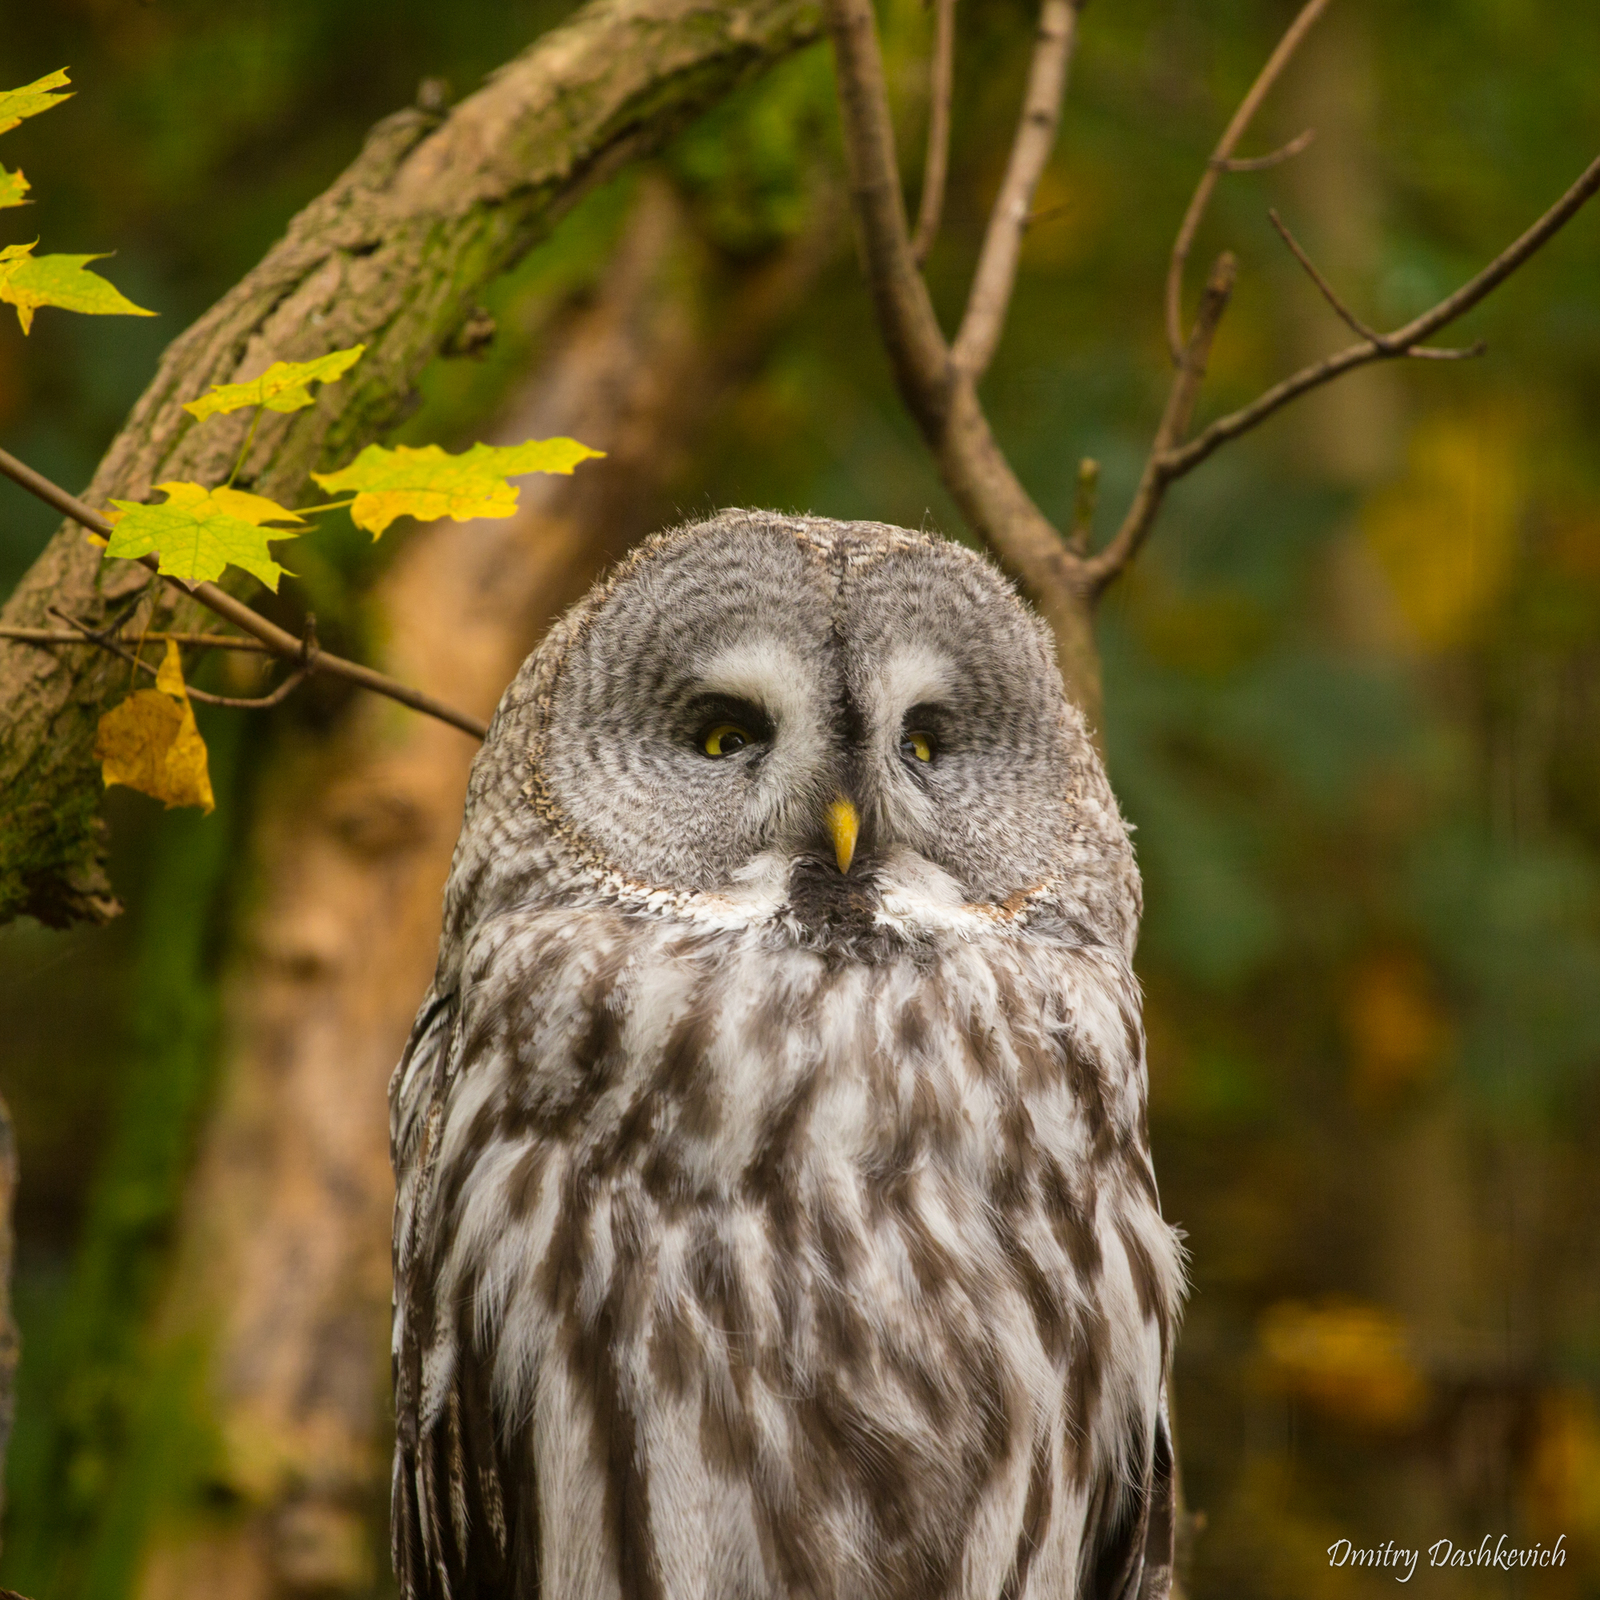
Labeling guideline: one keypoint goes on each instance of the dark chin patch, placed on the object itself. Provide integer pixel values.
(835, 912)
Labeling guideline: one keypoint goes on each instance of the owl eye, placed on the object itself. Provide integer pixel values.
(916, 746)
(725, 739)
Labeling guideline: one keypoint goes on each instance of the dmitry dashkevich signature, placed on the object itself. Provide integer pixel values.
(1443, 1553)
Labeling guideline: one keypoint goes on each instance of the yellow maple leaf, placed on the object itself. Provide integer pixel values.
(199, 531)
(28, 281)
(284, 386)
(13, 189)
(32, 98)
(150, 742)
(429, 483)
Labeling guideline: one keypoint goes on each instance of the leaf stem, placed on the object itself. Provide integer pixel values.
(332, 505)
(244, 449)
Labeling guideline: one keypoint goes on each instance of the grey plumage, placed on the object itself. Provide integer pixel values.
(764, 1228)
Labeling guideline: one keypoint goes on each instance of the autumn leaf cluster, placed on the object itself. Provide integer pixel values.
(150, 742)
(28, 281)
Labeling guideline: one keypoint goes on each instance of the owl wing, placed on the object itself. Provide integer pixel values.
(1132, 1534)
(458, 1501)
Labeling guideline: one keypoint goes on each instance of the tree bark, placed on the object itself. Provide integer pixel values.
(286, 1254)
(393, 255)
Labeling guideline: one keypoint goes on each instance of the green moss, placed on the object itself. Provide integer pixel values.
(52, 847)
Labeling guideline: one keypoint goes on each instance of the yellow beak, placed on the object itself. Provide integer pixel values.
(844, 824)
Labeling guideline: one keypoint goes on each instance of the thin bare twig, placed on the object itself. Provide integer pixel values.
(1404, 341)
(936, 169)
(1350, 319)
(1170, 457)
(1220, 157)
(277, 640)
(990, 296)
(906, 317)
(105, 640)
(1105, 565)
(1466, 352)
(198, 641)
(1275, 158)
(1344, 313)
(261, 702)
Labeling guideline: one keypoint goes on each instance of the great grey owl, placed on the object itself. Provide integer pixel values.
(775, 1211)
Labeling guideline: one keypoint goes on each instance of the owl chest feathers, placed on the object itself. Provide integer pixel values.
(777, 1272)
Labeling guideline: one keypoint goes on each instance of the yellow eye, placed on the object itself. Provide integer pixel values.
(916, 746)
(725, 739)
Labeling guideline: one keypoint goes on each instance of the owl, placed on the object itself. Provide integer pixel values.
(775, 1209)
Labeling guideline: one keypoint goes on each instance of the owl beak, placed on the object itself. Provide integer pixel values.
(844, 826)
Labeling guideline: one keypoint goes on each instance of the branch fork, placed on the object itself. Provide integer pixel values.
(939, 379)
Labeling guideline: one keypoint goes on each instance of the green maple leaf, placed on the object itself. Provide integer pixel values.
(28, 281)
(198, 531)
(284, 386)
(429, 483)
(13, 189)
(31, 99)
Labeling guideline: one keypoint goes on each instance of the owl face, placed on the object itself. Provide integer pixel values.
(759, 697)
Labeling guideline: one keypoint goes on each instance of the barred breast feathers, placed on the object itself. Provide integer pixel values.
(796, 1236)
(834, 1203)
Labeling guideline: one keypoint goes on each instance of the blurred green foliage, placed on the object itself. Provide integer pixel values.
(1353, 688)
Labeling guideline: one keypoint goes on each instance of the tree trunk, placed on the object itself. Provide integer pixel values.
(285, 1264)
(393, 255)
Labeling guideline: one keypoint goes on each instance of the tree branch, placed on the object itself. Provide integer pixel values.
(278, 640)
(1222, 160)
(1104, 566)
(102, 639)
(199, 641)
(394, 255)
(1274, 158)
(905, 313)
(992, 284)
(1341, 310)
(942, 398)
(1083, 503)
(1348, 317)
(936, 168)
(938, 382)
(1403, 342)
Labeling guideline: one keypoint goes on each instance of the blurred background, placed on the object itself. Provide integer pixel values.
(1352, 707)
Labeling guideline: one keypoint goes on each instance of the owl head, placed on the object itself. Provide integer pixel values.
(835, 720)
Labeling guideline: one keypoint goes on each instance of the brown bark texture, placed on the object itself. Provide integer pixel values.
(393, 255)
(284, 1267)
